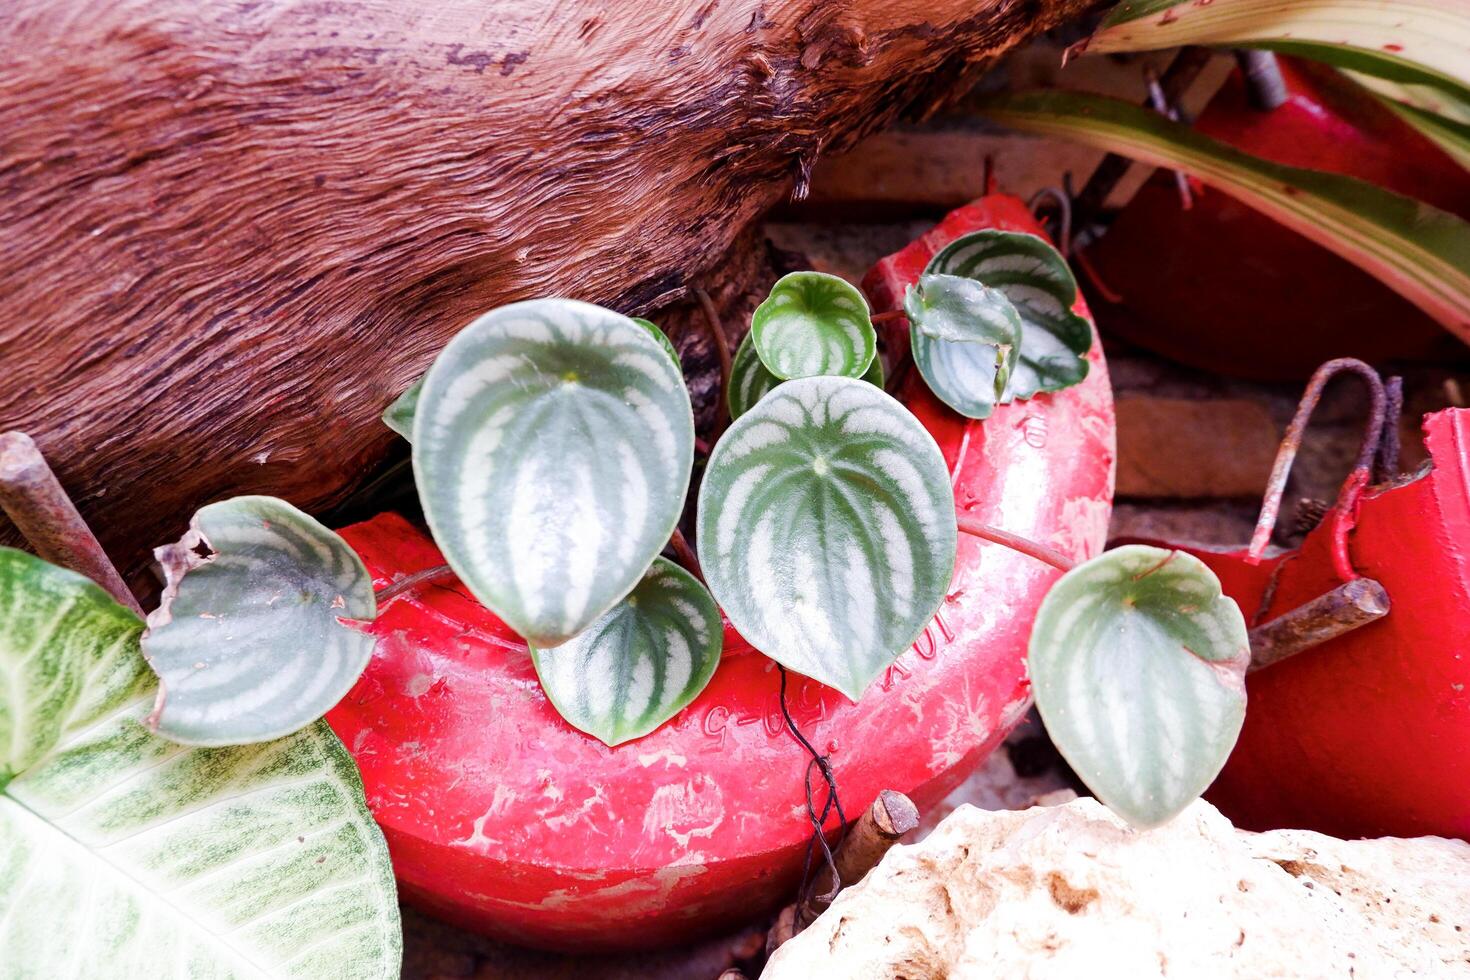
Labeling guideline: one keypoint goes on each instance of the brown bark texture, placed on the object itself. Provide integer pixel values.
(231, 232)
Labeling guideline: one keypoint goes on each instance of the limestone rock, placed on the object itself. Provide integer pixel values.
(1072, 891)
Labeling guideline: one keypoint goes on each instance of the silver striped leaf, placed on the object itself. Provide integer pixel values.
(641, 663)
(130, 857)
(814, 324)
(966, 341)
(827, 529)
(659, 336)
(1037, 281)
(256, 639)
(1138, 663)
(552, 451)
(750, 381)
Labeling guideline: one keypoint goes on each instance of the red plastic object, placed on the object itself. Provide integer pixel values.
(1225, 288)
(503, 818)
(1368, 735)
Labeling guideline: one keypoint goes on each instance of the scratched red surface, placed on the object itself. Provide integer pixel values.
(502, 817)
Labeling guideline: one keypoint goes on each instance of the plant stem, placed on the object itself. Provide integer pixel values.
(686, 555)
(40, 509)
(411, 582)
(1015, 542)
(722, 348)
(878, 318)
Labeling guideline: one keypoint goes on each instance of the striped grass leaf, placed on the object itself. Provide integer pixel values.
(814, 324)
(827, 529)
(643, 661)
(1451, 135)
(257, 638)
(966, 341)
(1138, 666)
(1035, 278)
(750, 381)
(131, 857)
(552, 450)
(1414, 248)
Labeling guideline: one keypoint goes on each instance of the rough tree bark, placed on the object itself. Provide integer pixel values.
(233, 231)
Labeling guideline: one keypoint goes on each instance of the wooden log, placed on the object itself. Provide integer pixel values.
(235, 231)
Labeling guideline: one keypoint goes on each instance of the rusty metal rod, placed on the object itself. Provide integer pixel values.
(37, 505)
(1346, 608)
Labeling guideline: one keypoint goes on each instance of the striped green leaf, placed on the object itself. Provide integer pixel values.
(966, 341)
(399, 415)
(642, 662)
(1418, 250)
(257, 638)
(552, 450)
(128, 856)
(1420, 43)
(814, 324)
(1035, 278)
(1451, 135)
(827, 529)
(658, 335)
(750, 381)
(1138, 666)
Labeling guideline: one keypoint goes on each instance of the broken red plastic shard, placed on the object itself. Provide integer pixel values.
(502, 817)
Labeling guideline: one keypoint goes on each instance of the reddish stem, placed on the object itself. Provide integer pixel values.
(409, 583)
(722, 348)
(878, 318)
(1015, 542)
(686, 555)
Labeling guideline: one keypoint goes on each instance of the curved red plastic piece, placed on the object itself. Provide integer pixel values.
(1368, 735)
(503, 818)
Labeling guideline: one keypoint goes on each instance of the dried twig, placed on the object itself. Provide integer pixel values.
(722, 348)
(1344, 609)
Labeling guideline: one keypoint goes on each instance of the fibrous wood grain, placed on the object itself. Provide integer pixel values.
(233, 231)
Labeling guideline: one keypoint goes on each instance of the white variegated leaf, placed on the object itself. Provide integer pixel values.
(1035, 278)
(814, 324)
(966, 341)
(1138, 665)
(552, 449)
(128, 857)
(659, 336)
(256, 639)
(750, 381)
(643, 661)
(827, 528)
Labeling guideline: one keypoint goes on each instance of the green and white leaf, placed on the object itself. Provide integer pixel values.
(1414, 248)
(399, 415)
(552, 451)
(255, 640)
(827, 529)
(1036, 279)
(966, 341)
(1138, 663)
(659, 336)
(130, 857)
(1450, 135)
(641, 663)
(814, 324)
(750, 381)
(1420, 43)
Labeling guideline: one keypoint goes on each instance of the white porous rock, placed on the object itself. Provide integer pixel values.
(1072, 891)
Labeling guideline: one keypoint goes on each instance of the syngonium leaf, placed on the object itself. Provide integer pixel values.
(966, 341)
(255, 639)
(827, 529)
(1138, 663)
(399, 415)
(129, 856)
(552, 449)
(814, 324)
(642, 662)
(1035, 278)
(750, 381)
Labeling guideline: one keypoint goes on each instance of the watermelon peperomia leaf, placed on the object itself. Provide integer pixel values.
(750, 381)
(827, 528)
(552, 449)
(659, 336)
(1035, 278)
(255, 640)
(1138, 665)
(129, 856)
(638, 665)
(966, 340)
(814, 324)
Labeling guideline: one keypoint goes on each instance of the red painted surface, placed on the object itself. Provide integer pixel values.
(1225, 288)
(1368, 735)
(502, 817)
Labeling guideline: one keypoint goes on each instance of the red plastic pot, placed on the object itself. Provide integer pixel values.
(1367, 735)
(503, 818)
(1225, 288)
